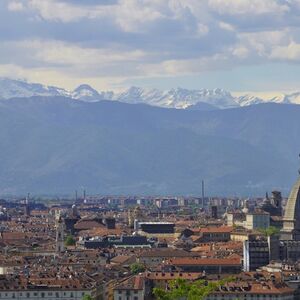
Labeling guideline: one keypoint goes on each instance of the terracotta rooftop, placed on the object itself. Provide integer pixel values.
(229, 261)
(132, 283)
(172, 275)
(221, 229)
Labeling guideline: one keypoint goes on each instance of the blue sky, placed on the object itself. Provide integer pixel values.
(238, 45)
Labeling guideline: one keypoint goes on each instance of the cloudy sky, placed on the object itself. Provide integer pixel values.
(239, 45)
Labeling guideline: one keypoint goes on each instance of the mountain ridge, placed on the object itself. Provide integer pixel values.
(179, 98)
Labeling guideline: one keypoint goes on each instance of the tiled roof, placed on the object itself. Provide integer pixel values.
(132, 283)
(229, 261)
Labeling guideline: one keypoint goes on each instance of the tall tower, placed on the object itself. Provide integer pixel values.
(60, 230)
(27, 205)
(202, 196)
(130, 218)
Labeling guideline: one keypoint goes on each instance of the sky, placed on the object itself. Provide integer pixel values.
(238, 45)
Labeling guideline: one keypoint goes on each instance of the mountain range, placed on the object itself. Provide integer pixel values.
(174, 98)
(56, 144)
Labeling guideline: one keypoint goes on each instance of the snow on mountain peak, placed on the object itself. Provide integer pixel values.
(10, 88)
(85, 92)
(177, 97)
(180, 98)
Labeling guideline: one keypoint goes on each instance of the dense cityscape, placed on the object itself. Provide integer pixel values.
(93, 247)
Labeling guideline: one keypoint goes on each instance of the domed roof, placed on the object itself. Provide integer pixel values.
(292, 209)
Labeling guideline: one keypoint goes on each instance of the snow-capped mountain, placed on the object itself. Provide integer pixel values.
(293, 98)
(10, 88)
(177, 98)
(174, 98)
(86, 93)
(246, 100)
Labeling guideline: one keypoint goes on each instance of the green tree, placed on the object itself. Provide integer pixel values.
(188, 290)
(87, 297)
(270, 231)
(70, 241)
(137, 268)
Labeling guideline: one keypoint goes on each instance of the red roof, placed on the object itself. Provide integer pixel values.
(229, 261)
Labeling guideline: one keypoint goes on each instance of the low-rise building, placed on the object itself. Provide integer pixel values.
(228, 265)
(132, 288)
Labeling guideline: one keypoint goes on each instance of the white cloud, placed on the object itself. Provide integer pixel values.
(132, 15)
(202, 29)
(241, 52)
(57, 77)
(55, 10)
(63, 53)
(134, 38)
(289, 52)
(15, 6)
(249, 7)
(226, 26)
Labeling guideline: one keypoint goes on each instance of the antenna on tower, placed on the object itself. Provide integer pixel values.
(76, 195)
(299, 168)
